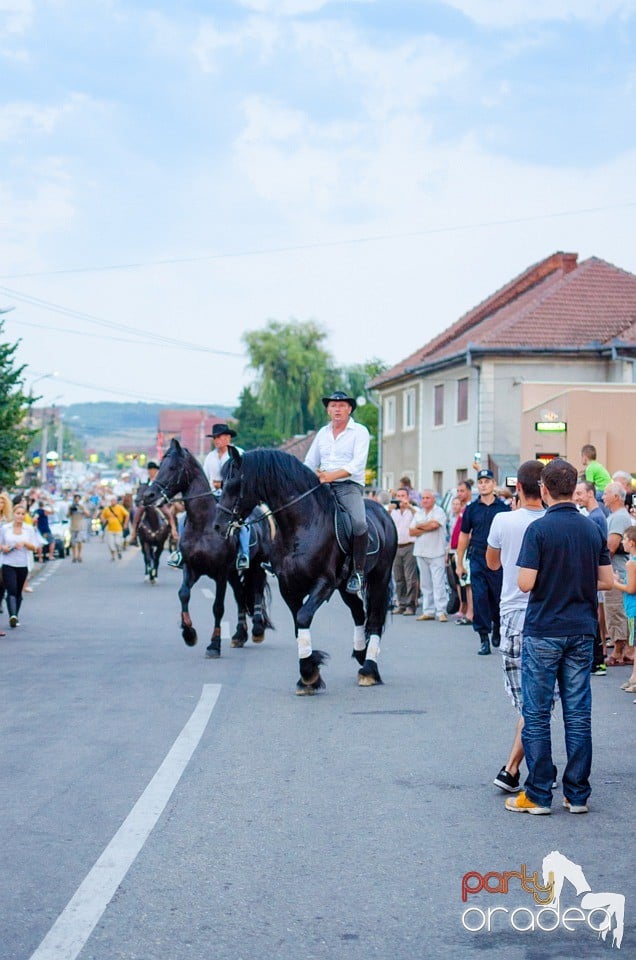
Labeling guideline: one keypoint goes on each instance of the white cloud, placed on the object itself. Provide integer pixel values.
(290, 8)
(19, 119)
(496, 13)
(15, 16)
(256, 33)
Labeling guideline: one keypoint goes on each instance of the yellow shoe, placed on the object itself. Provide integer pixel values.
(522, 804)
(426, 616)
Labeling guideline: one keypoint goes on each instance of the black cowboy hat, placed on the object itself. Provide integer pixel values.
(340, 395)
(151, 465)
(219, 429)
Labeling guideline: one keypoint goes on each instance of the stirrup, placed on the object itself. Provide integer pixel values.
(242, 562)
(175, 560)
(354, 583)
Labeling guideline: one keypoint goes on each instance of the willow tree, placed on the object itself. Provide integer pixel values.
(291, 366)
(14, 408)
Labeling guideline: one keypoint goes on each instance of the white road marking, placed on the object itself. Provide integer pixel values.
(77, 921)
(207, 593)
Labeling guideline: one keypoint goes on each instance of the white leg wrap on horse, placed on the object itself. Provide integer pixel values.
(304, 644)
(373, 650)
(359, 639)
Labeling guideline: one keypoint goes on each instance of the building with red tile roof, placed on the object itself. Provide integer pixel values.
(190, 427)
(558, 326)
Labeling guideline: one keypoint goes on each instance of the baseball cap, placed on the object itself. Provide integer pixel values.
(485, 475)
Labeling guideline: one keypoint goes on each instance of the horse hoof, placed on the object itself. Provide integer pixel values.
(258, 638)
(369, 675)
(309, 689)
(237, 643)
(189, 635)
(212, 653)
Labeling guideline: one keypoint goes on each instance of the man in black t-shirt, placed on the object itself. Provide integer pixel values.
(486, 584)
(563, 561)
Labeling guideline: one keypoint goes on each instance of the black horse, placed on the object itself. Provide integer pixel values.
(206, 553)
(309, 554)
(152, 533)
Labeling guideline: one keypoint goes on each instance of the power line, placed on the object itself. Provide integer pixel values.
(146, 335)
(319, 244)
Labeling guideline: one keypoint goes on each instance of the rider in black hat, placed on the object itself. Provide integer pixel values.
(338, 455)
(152, 469)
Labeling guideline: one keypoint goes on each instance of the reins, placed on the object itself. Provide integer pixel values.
(269, 513)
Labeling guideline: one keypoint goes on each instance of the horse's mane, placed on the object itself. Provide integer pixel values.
(279, 473)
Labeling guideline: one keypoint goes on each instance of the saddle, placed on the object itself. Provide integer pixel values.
(342, 530)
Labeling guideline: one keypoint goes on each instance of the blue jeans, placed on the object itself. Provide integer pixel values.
(567, 660)
(244, 539)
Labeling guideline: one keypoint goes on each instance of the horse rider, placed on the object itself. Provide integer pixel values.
(153, 469)
(221, 437)
(338, 455)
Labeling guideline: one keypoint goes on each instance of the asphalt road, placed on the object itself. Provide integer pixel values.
(159, 805)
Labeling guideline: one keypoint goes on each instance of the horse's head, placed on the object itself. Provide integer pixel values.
(236, 501)
(171, 477)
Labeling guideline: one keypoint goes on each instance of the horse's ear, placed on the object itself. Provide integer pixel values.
(235, 456)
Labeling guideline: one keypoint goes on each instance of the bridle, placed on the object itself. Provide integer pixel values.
(236, 521)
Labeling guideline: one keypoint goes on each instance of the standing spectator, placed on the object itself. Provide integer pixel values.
(628, 589)
(42, 515)
(465, 618)
(585, 498)
(595, 472)
(429, 528)
(78, 515)
(504, 543)
(563, 561)
(17, 538)
(115, 518)
(414, 496)
(486, 583)
(618, 521)
(404, 565)
(455, 523)
(625, 480)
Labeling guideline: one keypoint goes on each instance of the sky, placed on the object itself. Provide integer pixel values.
(174, 175)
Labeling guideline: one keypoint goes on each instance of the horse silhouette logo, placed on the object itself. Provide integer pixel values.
(556, 868)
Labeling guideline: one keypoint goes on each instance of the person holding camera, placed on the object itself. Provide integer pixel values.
(404, 565)
(77, 516)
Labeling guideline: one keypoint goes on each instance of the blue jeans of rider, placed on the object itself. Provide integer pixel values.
(567, 660)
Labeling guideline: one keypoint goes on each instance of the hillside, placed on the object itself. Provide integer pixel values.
(110, 426)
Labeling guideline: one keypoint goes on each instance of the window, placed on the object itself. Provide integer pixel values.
(438, 405)
(462, 400)
(460, 476)
(438, 481)
(389, 415)
(409, 410)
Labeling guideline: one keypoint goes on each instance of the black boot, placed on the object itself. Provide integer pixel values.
(484, 650)
(355, 583)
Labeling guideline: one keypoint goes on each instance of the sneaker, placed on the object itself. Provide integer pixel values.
(523, 804)
(442, 618)
(13, 621)
(507, 781)
(175, 560)
(409, 612)
(600, 671)
(575, 807)
(426, 616)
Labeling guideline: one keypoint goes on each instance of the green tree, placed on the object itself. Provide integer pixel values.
(291, 366)
(252, 428)
(14, 408)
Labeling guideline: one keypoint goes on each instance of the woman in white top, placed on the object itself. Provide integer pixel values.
(16, 540)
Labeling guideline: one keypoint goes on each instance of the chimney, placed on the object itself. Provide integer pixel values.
(568, 262)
